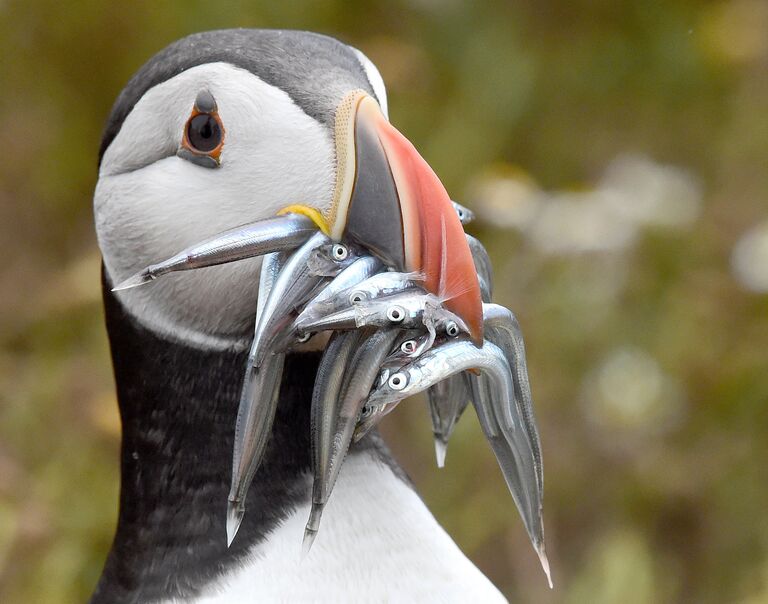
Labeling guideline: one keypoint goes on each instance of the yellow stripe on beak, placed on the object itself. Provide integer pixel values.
(313, 214)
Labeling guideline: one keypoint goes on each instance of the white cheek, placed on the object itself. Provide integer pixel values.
(273, 155)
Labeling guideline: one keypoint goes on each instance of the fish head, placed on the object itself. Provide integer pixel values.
(395, 385)
(404, 310)
(329, 259)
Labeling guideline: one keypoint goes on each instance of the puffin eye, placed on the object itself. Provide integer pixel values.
(203, 133)
(398, 381)
(395, 314)
(339, 252)
(452, 329)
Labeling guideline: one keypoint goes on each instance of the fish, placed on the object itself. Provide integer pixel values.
(465, 214)
(324, 260)
(408, 309)
(370, 416)
(256, 413)
(439, 363)
(326, 402)
(361, 373)
(293, 287)
(482, 266)
(508, 463)
(504, 331)
(415, 342)
(373, 287)
(258, 404)
(355, 273)
(451, 358)
(446, 401)
(283, 232)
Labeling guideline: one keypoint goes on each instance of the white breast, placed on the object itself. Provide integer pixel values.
(377, 543)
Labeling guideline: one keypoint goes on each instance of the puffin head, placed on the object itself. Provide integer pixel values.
(228, 127)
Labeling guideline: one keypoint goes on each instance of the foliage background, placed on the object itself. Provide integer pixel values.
(646, 332)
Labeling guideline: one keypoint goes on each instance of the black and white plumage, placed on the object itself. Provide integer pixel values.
(179, 350)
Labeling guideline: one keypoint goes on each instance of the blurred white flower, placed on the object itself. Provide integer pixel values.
(749, 261)
(633, 193)
(506, 202)
(648, 193)
(628, 391)
(575, 223)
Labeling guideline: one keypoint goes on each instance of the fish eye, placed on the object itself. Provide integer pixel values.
(452, 329)
(395, 314)
(366, 411)
(356, 297)
(303, 337)
(408, 347)
(398, 381)
(339, 251)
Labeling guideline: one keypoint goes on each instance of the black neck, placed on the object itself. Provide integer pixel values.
(178, 407)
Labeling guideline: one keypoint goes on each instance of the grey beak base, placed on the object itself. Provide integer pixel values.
(374, 219)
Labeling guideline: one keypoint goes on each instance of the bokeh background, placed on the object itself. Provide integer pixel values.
(616, 153)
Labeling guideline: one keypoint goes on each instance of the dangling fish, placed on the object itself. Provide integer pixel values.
(341, 415)
(326, 401)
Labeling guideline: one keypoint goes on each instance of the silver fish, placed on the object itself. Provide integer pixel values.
(360, 376)
(324, 260)
(456, 356)
(370, 417)
(254, 239)
(408, 309)
(358, 271)
(258, 403)
(415, 342)
(375, 286)
(446, 401)
(507, 458)
(465, 214)
(293, 287)
(440, 362)
(482, 266)
(504, 330)
(326, 402)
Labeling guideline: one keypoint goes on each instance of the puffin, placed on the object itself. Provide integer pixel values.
(219, 129)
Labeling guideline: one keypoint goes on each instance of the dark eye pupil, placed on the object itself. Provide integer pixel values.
(204, 133)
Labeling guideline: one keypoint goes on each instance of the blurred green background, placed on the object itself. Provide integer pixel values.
(616, 153)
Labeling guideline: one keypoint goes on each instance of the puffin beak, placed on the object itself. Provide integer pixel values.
(390, 201)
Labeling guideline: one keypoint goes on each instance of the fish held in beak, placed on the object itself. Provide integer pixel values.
(390, 201)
